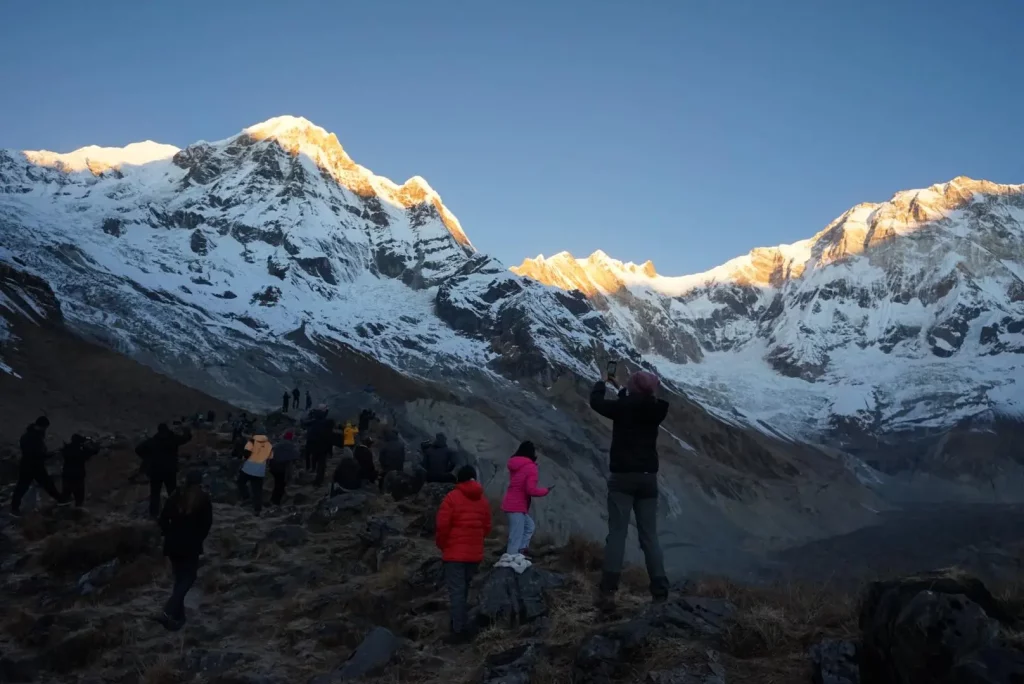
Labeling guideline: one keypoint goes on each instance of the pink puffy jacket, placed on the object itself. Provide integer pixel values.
(522, 484)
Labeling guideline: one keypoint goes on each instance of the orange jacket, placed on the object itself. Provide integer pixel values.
(463, 520)
(350, 435)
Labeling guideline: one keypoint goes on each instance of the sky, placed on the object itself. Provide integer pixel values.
(684, 132)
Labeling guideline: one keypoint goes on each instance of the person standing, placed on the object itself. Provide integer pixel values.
(636, 417)
(350, 433)
(522, 487)
(364, 457)
(285, 453)
(309, 401)
(32, 466)
(159, 456)
(75, 454)
(392, 455)
(253, 470)
(438, 460)
(319, 443)
(463, 522)
(295, 397)
(185, 522)
(284, 402)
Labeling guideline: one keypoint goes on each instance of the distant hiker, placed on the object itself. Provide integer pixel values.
(75, 454)
(365, 417)
(319, 443)
(284, 403)
(159, 456)
(463, 521)
(295, 397)
(392, 455)
(309, 400)
(211, 417)
(364, 457)
(286, 452)
(346, 475)
(438, 460)
(250, 476)
(350, 435)
(184, 522)
(32, 465)
(633, 486)
(522, 487)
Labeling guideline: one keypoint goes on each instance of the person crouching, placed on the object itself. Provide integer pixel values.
(463, 522)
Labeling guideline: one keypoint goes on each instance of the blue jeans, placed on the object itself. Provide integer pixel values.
(520, 532)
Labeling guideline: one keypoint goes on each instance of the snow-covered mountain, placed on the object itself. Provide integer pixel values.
(898, 316)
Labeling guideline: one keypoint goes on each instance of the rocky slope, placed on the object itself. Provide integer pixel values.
(244, 266)
(895, 323)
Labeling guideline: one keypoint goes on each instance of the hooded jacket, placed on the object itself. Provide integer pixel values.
(320, 433)
(463, 521)
(33, 447)
(285, 451)
(364, 457)
(522, 485)
(350, 435)
(438, 459)
(184, 533)
(635, 424)
(159, 453)
(259, 449)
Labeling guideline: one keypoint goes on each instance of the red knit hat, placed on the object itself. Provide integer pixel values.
(289, 435)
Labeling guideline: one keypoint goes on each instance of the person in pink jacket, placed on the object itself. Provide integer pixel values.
(522, 486)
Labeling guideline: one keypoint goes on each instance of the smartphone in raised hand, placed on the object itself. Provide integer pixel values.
(612, 367)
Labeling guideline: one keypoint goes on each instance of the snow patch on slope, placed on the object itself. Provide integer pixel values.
(98, 159)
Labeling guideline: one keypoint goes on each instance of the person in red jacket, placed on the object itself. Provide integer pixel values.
(463, 521)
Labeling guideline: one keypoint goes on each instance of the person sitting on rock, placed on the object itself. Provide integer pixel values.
(364, 457)
(391, 456)
(463, 522)
(75, 454)
(438, 460)
(32, 465)
(184, 522)
(285, 453)
(254, 470)
(346, 475)
(522, 487)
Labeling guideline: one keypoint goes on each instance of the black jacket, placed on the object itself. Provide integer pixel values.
(635, 425)
(365, 416)
(392, 455)
(184, 533)
(364, 457)
(159, 453)
(346, 475)
(75, 456)
(33, 447)
(319, 434)
(438, 459)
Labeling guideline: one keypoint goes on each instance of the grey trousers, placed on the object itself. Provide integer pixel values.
(633, 493)
(457, 577)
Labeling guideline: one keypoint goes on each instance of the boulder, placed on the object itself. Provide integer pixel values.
(930, 629)
(431, 496)
(287, 536)
(200, 660)
(388, 550)
(377, 529)
(690, 616)
(514, 599)
(340, 508)
(834, 661)
(98, 577)
(514, 666)
(370, 658)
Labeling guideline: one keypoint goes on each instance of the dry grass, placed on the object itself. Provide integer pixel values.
(583, 554)
(72, 553)
(163, 671)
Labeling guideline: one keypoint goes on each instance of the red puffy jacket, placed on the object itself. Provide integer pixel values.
(463, 520)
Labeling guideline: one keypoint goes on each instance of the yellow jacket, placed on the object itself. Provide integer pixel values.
(350, 435)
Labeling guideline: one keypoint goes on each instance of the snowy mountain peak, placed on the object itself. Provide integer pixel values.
(99, 159)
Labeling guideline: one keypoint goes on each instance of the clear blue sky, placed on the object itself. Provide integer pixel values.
(684, 132)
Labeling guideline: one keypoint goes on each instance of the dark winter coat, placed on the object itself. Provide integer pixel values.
(285, 451)
(75, 455)
(184, 533)
(636, 421)
(364, 457)
(438, 459)
(392, 454)
(159, 453)
(319, 434)
(365, 416)
(463, 521)
(33, 447)
(346, 475)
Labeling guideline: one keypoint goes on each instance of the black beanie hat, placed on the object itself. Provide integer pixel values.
(465, 474)
(528, 450)
(43, 422)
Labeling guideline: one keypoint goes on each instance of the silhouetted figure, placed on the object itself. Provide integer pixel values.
(286, 452)
(365, 416)
(75, 454)
(438, 460)
(211, 417)
(320, 440)
(346, 475)
(159, 456)
(32, 465)
(185, 522)
(364, 457)
(391, 456)
(284, 403)
(309, 400)
(295, 397)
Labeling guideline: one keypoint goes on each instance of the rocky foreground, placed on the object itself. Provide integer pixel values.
(331, 590)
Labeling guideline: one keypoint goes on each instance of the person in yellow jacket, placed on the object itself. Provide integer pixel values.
(250, 477)
(350, 434)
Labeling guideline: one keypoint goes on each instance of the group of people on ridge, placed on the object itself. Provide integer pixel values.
(463, 519)
(292, 399)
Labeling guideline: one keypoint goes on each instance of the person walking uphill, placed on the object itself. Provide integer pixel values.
(32, 465)
(159, 456)
(250, 476)
(463, 522)
(522, 487)
(184, 522)
(75, 454)
(285, 453)
(633, 485)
